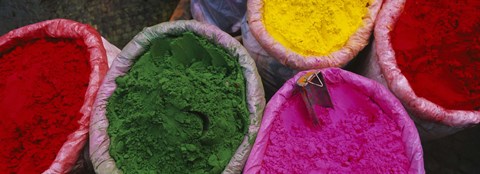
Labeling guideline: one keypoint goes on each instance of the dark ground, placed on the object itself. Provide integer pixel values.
(119, 21)
(458, 153)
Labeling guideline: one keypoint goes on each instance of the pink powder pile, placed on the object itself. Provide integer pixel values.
(357, 137)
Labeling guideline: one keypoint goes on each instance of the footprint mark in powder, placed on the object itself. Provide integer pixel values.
(205, 121)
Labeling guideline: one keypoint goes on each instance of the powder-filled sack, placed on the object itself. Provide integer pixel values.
(430, 63)
(83, 164)
(148, 91)
(284, 37)
(50, 73)
(112, 51)
(361, 128)
(225, 14)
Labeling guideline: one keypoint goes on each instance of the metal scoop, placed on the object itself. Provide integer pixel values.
(314, 92)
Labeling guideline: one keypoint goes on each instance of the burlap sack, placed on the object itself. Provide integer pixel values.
(225, 14)
(378, 94)
(62, 28)
(432, 120)
(276, 63)
(99, 139)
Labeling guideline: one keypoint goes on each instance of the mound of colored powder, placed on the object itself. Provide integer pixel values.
(437, 47)
(42, 88)
(313, 27)
(180, 109)
(357, 137)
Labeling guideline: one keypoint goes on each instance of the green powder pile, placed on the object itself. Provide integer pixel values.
(180, 109)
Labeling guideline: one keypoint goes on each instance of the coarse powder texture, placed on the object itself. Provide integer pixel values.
(158, 111)
(313, 27)
(440, 54)
(357, 137)
(42, 88)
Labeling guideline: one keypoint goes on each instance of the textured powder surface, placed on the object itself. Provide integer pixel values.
(357, 137)
(155, 114)
(440, 54)
(313, 27)
(42, 88)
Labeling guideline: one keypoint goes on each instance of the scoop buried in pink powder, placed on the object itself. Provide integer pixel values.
(364, 130)
(314, 93)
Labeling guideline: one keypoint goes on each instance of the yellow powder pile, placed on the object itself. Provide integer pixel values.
(313, 27)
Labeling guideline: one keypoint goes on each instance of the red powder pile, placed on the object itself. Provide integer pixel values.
(42, 88)
(437, 47)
